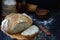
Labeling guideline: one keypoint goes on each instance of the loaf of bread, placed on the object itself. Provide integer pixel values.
(19, 26)
(28, 34)
(16, 22)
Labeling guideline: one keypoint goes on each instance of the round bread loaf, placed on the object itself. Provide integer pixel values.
(28, 34)
(16, 22)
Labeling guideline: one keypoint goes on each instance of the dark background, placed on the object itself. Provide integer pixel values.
(49, 4)
(0, 9)
(53, 5)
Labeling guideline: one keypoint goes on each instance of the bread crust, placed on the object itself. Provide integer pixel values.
(15, 21)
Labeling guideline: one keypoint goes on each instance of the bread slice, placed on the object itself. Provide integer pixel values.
(16, 22)
(31, 31)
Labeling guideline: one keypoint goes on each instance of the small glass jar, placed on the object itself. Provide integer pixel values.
(8, 6)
